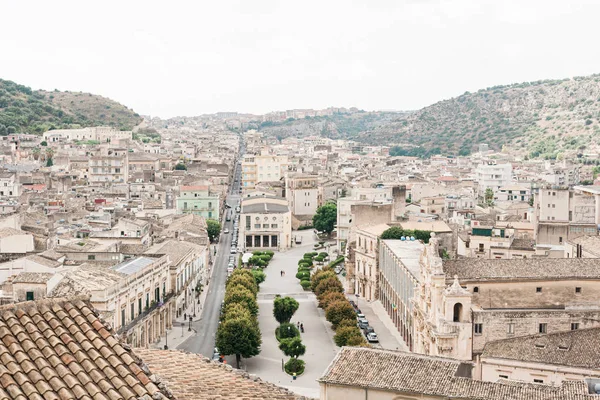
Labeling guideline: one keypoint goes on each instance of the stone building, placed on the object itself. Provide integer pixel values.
(265, 224)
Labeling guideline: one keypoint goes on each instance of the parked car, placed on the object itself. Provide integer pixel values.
(368, 329)
(372, 338)
(225, 231)
(216, 355)
(233, 250)
(363, 323)
(361, 316)
(354, 305)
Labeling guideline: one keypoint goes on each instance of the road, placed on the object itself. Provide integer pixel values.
(203, 342)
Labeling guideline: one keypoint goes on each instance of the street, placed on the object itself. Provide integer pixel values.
(203, 342)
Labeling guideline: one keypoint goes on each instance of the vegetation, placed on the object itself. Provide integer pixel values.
(286, 331)
(147, 135)
(330, 297)
(180, 167)
(325, 218)
(344, 333)
(396, 232)
(238, 332)
(339, 310)
(292, 347)
(260, 258)
(25, 110)
(329, 285)
(294, 366)
(284, 308)
(259, 276)
(213, 228)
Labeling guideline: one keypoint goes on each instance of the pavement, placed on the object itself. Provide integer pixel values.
(204, 327)
(317, 336)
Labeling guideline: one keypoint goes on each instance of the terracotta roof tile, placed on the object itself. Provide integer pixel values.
(60, 349)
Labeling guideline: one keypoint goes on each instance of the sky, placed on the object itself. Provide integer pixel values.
(186, 58)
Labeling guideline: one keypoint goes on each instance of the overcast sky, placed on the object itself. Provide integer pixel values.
(169, 58)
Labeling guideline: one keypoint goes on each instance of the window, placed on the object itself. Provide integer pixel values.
(511, 328)
(577, 289)
(478, 329)
(139, 306)
(503, 376)
(476, 289)
(29, 296)
(91, 257)
(543, 328)
(123, 317)
(538, 290)
(147, 300)
(157, 294)
(256, 226)
(132, 311)
(538, 381)
(560, 240)
(117, 170)
(273, 225)
(574, 326)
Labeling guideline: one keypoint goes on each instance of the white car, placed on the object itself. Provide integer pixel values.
(372, 337)
(226, 231)
(233, 250)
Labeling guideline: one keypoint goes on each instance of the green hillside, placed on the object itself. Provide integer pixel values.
(29, 111)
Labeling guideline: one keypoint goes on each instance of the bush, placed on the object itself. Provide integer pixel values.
(338, 311)
(305, 284)
(270, 253)
(319, 276)
(323, 254)
(305, 227)
(294, 365)
(357, 341)
(303, 274)
(347, 322)
(292, 347)
(286, 331)
(330, 297)
(344, 333)
(337, 261)
(259, 276)
(304, 265)
(257, 253)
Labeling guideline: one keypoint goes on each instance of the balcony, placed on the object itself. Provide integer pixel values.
(147, 311)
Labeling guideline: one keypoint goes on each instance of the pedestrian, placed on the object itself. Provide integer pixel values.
(294, 376)
(302, 328)
(184, 316)
(298, 324)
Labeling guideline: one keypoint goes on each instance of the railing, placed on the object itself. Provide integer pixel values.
(147, 311)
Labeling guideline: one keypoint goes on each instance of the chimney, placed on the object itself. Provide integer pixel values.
(399, 202)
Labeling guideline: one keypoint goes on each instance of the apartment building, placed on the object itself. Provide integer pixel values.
(514, 193)
(262, 168)
(199, 200)
(265, 224)
(493, 176)
(495, 242)
(108, 167)
(9, 185)
(303, 195)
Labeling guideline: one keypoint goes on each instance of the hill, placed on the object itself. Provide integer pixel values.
(26, 110)
(548, 119)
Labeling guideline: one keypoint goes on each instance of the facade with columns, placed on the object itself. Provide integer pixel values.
(265, 224)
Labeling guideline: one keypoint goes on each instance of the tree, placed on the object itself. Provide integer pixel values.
(49, 162)
(180, 167)
(329, 285)
(239, 294)
(292, 347)
(36, 153)
(329, 297)
(284, 308)
(319, 276)
(44, 143)
(489, 197)
(239, 336)
(259, 276)
(325, 218)
(343, 333)
(338, 311)
(286, 331)
(396, 232)
(213, 228)
(242, 280)
(356, 340)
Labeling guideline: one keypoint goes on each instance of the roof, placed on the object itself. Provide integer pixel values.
(60, 349)
(133, 265)
(192, 188)
(589, 244)
(408, 252)
(193, 377)
(175, 249)
(433, 226)
(414, 373)
(43, 261)
(6, 232)
(519, 269)
(578, 348)
(376, 230)
(264, 208)
(32, 277)
(84, 279)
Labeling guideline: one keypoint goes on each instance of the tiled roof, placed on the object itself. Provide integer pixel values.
(193, 377)
(6, 232)
(32, 277)
(531, 268)
(60, 349)
(578, 348)
(417, 374)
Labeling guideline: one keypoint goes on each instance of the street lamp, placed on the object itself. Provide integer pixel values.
(190, 326)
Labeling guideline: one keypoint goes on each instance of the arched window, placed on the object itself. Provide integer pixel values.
(457, 312)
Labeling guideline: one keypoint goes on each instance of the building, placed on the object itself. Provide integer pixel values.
(492, 176)
(102, 134)
(514, 193)
(399, 275)
(127, 231)
(362, 373)
(366, 266)
(549, 359)
(199, 200)
(15, 241)
(108, 168)
(303, 195)
(461, 305)
(494, 242)
(265, 224)
(262, 168)
(135, 296)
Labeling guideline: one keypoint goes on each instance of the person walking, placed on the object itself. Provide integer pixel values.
(302, 328)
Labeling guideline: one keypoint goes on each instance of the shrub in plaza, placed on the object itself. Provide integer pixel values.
(319, 276)
(239, 294)
(292, 347)
(303, 274)
(294, 365)
(258, 274)
(286, 331)
(329, 285)
(344, 333)
(338, 311)
(303, 264)
(357, 341)
(245, 280)
(337, 261)
(269, 253)
(347, 322)
(323, 254)
(305, 284)
(329, 297)
(284, 308)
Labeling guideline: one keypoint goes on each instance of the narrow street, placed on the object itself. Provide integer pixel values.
(203, 342)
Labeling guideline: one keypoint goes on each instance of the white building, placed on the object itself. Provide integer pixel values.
(262, 168)
(493, 176)
(9, 185)
(265, 224)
